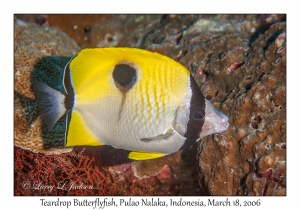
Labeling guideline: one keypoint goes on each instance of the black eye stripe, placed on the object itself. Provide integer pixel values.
(124, 76)
(197, 114)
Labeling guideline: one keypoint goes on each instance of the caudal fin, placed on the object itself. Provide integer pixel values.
(50, 102)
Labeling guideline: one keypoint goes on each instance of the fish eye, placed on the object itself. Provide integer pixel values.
(198, 116)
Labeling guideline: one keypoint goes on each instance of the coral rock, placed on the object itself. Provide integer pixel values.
(39, 52)
(250, 157)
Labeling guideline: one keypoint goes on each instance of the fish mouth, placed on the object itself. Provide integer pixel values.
(210, 126)
(222, 124)
(215, 121)
(222, 127)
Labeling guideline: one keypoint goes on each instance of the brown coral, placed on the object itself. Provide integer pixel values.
(256, 104)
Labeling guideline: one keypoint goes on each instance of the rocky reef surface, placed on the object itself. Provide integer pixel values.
(239, 63)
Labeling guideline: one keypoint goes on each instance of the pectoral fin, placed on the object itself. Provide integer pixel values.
(164, 136)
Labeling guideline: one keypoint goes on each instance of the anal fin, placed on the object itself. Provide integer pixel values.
(78, 133)
(144, 155)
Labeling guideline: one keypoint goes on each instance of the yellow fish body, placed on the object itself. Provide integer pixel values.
(131, 99)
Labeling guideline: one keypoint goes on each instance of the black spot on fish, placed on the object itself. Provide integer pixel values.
(124, 76)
